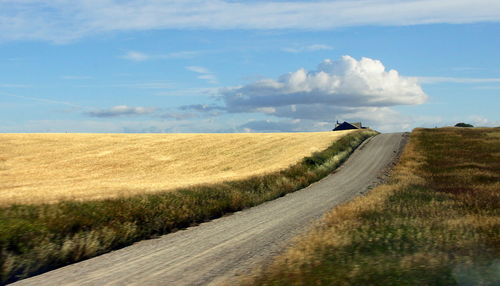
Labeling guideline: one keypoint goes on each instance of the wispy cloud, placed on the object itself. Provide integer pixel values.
(486, 87)
(197, 69)
(437, 79)
(125, 124)
(141, 85)
(309, 48)
(204, 91)
(141, 56)
(202, 107)
(43, 100)
(270, 126)
(13, 59)
(66, 20)
(180, 55)
(135, 56)
(204, 73)
(147, 85)
(14, 85)
(479, 120)
(179, 115)
(466, 69)
(121, 110)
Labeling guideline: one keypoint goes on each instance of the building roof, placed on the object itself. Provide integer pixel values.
(357, 124)
(346, 125)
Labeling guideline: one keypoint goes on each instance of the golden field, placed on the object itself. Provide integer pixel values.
(47, 168)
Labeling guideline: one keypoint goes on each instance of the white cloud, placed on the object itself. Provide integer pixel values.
(266, 110)
(435, 79)
(335, 86)
(97, 125)
(121, 110)
(13, 85)
(210, 78)
(310, 48)
(181, 55)
(197, 69)
(383, 119)
(135, 56)
(204, 73)
(66, 20)
(466, 69)
(141, 56)
(158, 84)
(42, 100)
(488, 87)
(147, 85)
(318, 47)
(121, 124)
(192, 91)
(270, 126)
(481, 121)
(345, 89)
(179, 115)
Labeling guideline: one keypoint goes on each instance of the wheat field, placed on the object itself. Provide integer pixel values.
(47, 168)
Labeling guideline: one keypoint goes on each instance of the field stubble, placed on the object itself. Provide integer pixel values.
(47, 168)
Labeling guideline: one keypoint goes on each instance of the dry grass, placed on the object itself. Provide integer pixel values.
(35, 238)
(46, 168)
(437, 222)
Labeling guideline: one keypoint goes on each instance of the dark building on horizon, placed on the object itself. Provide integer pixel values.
(346, 126)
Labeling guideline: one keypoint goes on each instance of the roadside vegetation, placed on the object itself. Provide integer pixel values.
(461, 124)
(436, 222)
(39, 237)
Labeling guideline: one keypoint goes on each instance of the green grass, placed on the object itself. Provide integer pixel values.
(435, 223)
(38, 238)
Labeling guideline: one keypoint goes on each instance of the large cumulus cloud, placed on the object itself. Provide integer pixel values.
(345, 83)
(343, 89)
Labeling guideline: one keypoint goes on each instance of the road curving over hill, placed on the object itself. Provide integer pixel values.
(220, 249)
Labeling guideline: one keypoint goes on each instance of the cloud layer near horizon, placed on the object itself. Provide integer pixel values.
(343, 89)
(67, 20)
(121, 110)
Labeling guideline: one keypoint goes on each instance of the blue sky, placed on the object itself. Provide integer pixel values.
(247, 66)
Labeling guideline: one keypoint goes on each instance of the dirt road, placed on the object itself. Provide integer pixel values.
(217, 250)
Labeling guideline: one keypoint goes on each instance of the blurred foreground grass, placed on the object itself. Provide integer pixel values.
(436, 222)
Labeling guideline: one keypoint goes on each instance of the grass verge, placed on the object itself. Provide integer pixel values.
(436, 222)
(38, 238)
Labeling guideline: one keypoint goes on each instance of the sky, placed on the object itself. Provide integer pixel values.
(247, 66)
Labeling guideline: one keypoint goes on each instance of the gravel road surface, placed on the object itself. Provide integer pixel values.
(220, 249)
